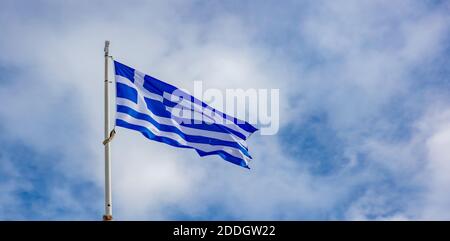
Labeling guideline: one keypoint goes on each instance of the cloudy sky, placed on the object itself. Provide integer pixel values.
(364, 109)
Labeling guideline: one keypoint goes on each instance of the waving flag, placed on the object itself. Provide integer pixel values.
(164, 113)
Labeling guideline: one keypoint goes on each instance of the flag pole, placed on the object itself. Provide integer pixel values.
(108, 197)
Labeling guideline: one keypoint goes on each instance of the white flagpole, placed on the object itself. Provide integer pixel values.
(108, 196)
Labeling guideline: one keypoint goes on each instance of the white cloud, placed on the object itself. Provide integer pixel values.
(437, 199)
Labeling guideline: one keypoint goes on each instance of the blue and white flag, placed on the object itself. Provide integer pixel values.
(164, 113)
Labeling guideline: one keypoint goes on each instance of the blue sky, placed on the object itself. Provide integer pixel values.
(364, 109)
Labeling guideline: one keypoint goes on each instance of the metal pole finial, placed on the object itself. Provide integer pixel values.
(106, 47)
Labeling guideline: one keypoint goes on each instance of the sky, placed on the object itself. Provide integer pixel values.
(364, 107)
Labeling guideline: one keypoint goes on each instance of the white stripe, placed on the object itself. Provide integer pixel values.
(187, 130)
(174, 136)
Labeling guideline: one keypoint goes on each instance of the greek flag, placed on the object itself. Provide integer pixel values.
(164, 113)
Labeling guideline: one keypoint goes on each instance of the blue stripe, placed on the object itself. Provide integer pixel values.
(189, 138)
(148, 134)
(157, 86)
(127, 92)
(225, 156)
(124, 71)
(161, 86)
(159, 109)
